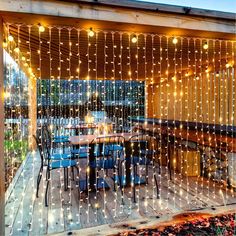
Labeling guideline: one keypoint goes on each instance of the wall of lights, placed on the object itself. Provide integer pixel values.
(163, 77)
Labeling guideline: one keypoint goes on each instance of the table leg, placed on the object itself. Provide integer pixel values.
(93, 182)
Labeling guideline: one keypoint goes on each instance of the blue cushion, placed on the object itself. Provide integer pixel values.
(60, 156)
(105, 164)
(62, 163)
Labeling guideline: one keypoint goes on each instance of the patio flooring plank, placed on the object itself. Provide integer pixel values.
(15, 200)
(66, 212)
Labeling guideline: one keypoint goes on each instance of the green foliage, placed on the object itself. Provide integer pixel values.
(18, 147)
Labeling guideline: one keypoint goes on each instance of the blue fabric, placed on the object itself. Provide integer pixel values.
(139, 160)
(114, 147)
(81, 153)
(62, 163)
(60, 140)
(80, 150)
(60, 156)
(105, 164)
(61, 137)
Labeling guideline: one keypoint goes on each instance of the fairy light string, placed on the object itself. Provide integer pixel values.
(130, 55)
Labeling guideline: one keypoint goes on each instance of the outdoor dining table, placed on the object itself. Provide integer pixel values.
(83, 127)
(126, 180)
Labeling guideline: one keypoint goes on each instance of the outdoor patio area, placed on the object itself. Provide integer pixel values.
(116, 112)
(26, 214)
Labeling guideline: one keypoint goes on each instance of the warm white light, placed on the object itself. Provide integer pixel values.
(175, 40)
(10, 38)
(41, 29)
(134, 39)
(205, 46)
(4, 44)
(6, 94)
(91, 32)
(23, 58)
(16, 50)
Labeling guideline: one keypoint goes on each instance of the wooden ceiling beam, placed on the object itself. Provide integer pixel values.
(115, 17)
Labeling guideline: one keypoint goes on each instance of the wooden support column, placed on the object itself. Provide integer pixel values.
(32, 111)
(2, 169)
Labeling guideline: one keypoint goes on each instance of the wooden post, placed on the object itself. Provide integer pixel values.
(2, 169)
(32, 112)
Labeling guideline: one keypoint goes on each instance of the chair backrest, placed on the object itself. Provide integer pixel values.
(106, 144)
(141, 142)
(115, 141)
(40, 149)
(99, 145)
(45, 139)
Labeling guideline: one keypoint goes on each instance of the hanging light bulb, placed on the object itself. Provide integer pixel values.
(205, 46)
(41, 28)
(134, 39)
(10, 38)
(23, 58)
(16, 50)
(175, 40)
(91, 32)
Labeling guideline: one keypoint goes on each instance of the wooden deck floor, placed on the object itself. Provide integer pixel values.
(27, 215)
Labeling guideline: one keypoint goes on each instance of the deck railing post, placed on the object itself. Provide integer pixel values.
(32, 111)
(2, 171)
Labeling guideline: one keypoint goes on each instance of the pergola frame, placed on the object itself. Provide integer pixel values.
(122, 15)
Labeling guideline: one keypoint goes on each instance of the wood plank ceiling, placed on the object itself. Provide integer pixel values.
(113, 55)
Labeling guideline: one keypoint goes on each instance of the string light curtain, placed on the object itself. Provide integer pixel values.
(185, 86)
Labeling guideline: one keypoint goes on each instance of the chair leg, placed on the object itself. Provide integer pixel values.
(134, 189)
(73, 174)
(65, 183)
(77, 169)
(114, 176)
(157, 187)
(38, 180)
(67, 178)
(46, 192)
(146, 173)
(169, 168)
(97, 179)
(159, 165)
(120, 180)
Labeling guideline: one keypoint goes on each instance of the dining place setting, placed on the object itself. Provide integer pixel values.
(95, 151)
